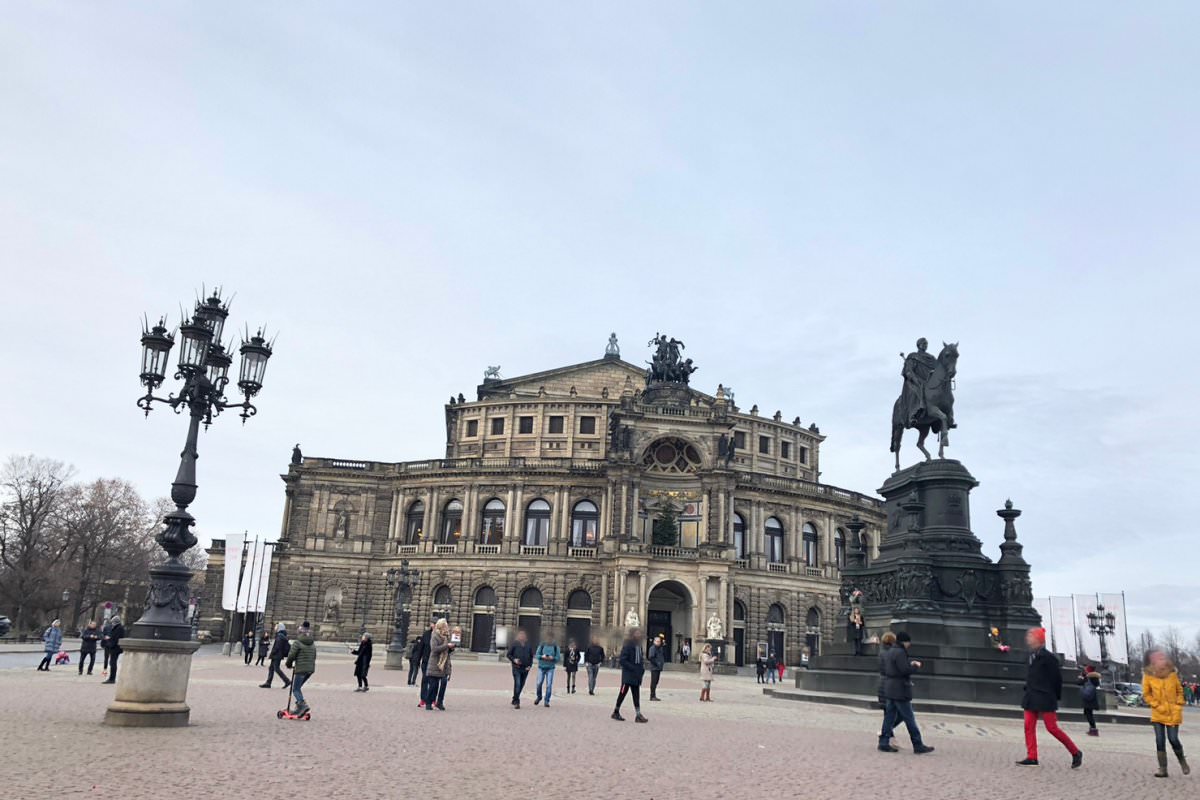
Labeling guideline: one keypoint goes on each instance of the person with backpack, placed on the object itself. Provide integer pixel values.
(51, 644)
(1089, 692)
(546, 657)
(302, 659)
(279, 651)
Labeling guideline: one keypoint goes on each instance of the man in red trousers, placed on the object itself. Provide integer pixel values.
(1043, 690)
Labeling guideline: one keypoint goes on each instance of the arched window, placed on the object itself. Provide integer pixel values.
(585, 524)
(739, 536)
(452, 522)
(739, 611)
(839, 548)
(414, 523)
(442, 598)
(579, 600)
(673, 456)
(811, 557)
(775, 614)
(491, 529)
(866, 547)
(774, 536)
(813, 618)
(531, 598)
(537, 524)
(485, 596)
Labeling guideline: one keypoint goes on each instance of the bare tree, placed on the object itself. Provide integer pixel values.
(31, 544)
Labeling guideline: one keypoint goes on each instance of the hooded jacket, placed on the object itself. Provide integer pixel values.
(1164, 694)
(52, 639)
(1043, 684)
(281, 646)
(303, 654)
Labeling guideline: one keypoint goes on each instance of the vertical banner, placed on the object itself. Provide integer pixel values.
(250, 576)
(1042, 606)
(233, 570)
(1118, 643)
(259, 598)
(1062, 614)
(1089, 645)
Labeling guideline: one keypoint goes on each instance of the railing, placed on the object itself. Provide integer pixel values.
(445, 549)
(743, 563)
(808, 488)
(814, 572)
(406, 549)
(533, 550)
(581, 552)
(487, 549)
(338, 464)
(477, 464)
(774, 567)
(685, 553)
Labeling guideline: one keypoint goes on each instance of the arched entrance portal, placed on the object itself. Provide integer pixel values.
(669, 612)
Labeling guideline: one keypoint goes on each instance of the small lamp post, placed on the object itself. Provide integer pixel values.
(66, 598)
(160, 645)
(402, 582)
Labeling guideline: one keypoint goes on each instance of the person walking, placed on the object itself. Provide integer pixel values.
(248, 647)
(886, 643)
(571, 664)
(1089, 692)
(264, 647)
(1043, 690)
(88, 638)
(657, 658)
(593, 657)
(115, 634)
(426, 643)
(772, 667)
(414, 660)
(898, 689)
(1164, 695)
(760, 669)
(520, 657)
(51, 644)
(633, 668)
(362, 661)
(302, 659)
(781, 665)
(279, 651)
(707, 662)
(105, 631)
(546, 658)
(438, 669)
(856, 630)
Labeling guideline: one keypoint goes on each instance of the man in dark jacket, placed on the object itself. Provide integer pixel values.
(897, 689)
(658, 659)
(593, 657)
(633, 668)
(105, 641)
(115, 634)
(279, 651)
(87, 646)
(426, 648)
(520, 656)
(414, 660)
(1043, 690)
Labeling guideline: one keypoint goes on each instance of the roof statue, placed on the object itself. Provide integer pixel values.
(667, 366)
(613, 350)
(926, 401)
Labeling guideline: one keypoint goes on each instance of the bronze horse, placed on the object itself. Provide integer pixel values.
(938, 412)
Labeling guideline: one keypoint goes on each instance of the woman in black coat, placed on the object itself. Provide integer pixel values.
(362, 661)
(633, 668)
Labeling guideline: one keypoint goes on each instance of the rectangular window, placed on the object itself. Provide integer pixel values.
(587, 424)
(497, 426)
(739, 440)
(556, 425)
(525, 425)
(785, 449)
(472, 427)
(803, 455)
(764, 445)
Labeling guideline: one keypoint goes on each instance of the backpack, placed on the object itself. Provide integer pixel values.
(1088, 692)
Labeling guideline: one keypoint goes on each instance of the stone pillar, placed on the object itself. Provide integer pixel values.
(635, 532)
(619, 605)
(703, 621)
(706, 510)
(624, 531)
(603, 600)
(643, 598)
(152, 684)
(431, 520)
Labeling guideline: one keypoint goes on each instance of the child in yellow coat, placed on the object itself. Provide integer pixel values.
(1164, 694)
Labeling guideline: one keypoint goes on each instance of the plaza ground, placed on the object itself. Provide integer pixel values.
(379, 745)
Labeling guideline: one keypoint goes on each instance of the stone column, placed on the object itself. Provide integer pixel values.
(619, 604)
(703, 607)
(624, 531)
(635, 532)
(431, 520)
(643, 598)
(603, 600)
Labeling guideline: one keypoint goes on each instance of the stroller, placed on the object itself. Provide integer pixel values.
(63, 657)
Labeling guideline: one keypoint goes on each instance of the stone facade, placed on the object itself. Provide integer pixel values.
(544, 510)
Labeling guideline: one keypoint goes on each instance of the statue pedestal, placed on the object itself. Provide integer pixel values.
(395, 660)
(152, 682)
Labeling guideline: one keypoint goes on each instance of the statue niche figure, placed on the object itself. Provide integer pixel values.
(716, 631)
(926, 401)
(632, 620)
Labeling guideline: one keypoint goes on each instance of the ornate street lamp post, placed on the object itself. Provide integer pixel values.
(1102, 624)
(402, 581)
(152, 684)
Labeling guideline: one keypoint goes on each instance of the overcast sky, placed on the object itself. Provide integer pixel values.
(798, 191)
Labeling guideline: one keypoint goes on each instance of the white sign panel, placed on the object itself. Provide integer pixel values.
(1089, 645)
(253, 595)
(233, 570)
(1118, 643)
(1062, 614)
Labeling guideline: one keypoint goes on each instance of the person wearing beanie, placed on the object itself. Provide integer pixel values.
(302, 657)
(1089, 691)
(115, 634)
(279, 651)
(898, 690)
(1043, 690)
(1164, 695)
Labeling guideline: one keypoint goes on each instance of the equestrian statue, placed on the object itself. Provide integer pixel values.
(926, 400)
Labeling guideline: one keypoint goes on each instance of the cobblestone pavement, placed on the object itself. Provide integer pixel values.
(379, 745)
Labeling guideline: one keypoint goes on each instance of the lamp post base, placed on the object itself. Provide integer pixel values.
(152, 684)
(394, 660)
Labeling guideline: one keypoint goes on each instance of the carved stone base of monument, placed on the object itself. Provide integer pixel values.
(395, 660)
(152, 682)
(932, 580)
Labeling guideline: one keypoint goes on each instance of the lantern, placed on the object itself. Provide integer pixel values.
(156, 349)
(255, 353)
(193, 350)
